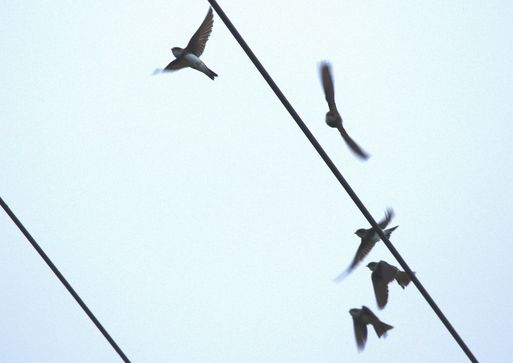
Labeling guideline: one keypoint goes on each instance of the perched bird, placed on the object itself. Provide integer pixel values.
(369, 237)
(362, 317)
(189, 56)
(333, 118)
(383, 274)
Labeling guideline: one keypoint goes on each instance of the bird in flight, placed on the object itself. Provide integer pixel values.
(333, 118)
(369, 237)
(383, 274)
(189, 56)
(361, 318)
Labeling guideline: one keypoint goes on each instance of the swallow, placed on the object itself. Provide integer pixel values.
(362, 317)
(333, 118)
(369, 237)
(189, 56)
(383, 274)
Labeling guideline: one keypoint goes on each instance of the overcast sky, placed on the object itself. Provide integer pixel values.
(198, 223)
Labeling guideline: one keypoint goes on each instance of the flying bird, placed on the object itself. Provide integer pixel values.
(369, 237)
(383, 274)
(333, 118)
(189, 56)
(361, 318)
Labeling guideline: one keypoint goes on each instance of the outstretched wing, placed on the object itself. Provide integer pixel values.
(327, 84)
(363, 250)
(199, 39)
(389, 214)
(174, 65)
(380, 286)
(352, 144)
(360, 333)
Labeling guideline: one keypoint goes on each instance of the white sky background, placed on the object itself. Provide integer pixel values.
(198, 223)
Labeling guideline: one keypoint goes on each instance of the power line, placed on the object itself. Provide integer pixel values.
(339, 176)
(63, 280)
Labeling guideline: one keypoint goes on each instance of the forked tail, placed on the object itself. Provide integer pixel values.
(382, 328)
(211, 73)
(389, 231)
(402, 278)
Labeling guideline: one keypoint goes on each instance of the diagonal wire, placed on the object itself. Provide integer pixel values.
(63, 280)
(339, 177)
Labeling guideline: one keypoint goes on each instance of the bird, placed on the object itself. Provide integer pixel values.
(382, 274)
(369, 237)
(361, 318)
(189, 56)
(333, 118)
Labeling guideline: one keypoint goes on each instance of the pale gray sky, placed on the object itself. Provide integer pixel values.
(198, 223)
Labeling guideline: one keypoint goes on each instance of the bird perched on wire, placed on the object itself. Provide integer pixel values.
(333, 118)
(369, 237)
(361, 318)
(383, 274)
(189, 56)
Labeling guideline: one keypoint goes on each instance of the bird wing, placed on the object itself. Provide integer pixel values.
(175, 65)
(199, 39)
(327, 84)
(380, 287)
(342, 275)
(360, 333)
(389, 214)
(363, 250)
(352, 144)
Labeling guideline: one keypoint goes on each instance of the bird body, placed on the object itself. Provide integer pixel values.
(190, 55)
(369, 237)
(193, 61)
(333, 118)
(363, 317)
(382, 274)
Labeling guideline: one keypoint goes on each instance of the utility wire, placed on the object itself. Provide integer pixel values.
(63, 280)
(339, 177)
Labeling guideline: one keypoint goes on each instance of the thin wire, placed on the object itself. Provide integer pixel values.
(63, 280)
(339, 176)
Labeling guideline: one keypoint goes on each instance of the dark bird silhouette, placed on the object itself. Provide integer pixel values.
(333, 118)
(383, 274)
(361, 318)
(369, 238)
(189, 56)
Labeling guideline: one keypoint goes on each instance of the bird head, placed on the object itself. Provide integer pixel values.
(177, 51)
(354, 312)
(372, 266)
(361, 232)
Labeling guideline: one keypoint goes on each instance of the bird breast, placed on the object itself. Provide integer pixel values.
(193, 61)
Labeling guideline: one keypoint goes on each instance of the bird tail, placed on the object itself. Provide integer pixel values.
(402, 278)
(382, 328)
(389, 231)
(210, 73)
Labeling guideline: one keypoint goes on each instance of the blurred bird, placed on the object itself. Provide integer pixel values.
(369, 238)
(362, 317)
(333, 118)
(382, 274)
(189, 57)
